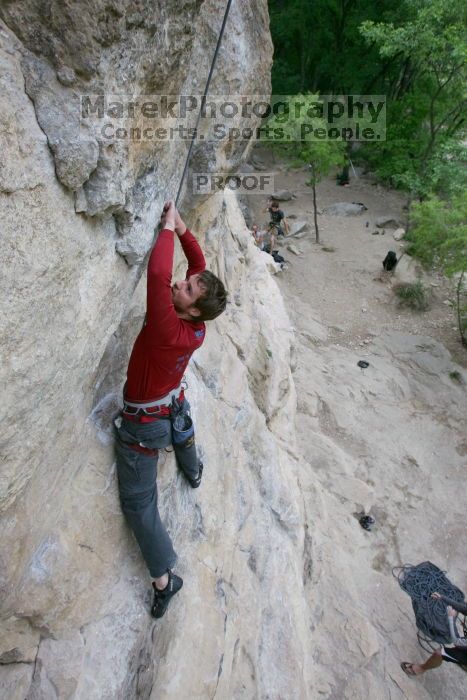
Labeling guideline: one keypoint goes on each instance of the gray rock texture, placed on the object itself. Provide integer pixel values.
(398, 234)
(133, 51)
(388, 220)
(298, 227)
(278, 599)
(282, 195)
(73, 589)
(344, 209)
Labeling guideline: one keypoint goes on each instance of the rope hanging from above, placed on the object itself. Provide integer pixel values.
(203, 101)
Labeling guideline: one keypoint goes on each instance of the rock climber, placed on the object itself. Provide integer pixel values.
(154, 400)
(456, 654)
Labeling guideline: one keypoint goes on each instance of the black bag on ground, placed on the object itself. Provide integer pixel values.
(277, 258)
(390, 261)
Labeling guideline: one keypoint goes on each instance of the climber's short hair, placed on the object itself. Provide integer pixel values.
(214, 298)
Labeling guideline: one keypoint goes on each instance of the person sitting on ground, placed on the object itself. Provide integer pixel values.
(258, 236)
(277, 218)
(266, 242)
(456, 654)
(155, 412)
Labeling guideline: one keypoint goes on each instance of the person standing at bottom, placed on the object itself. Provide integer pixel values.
(456, 653)
(155, 411)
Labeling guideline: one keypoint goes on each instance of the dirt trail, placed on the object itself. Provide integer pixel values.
(389, 440)
(341, 278)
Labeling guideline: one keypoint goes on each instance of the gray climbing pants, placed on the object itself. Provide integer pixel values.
(137, 483)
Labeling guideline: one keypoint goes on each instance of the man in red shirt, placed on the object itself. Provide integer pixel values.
(155, 412)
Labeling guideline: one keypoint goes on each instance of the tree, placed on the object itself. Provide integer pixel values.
(319, 154)
(427, 103)
(438, 236)
(321, 157)
(318, 46)
(412, 51)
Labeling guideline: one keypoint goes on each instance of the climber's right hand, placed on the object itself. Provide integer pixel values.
(168, 215)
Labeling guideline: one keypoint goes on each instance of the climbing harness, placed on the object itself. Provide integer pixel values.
(419, 582)
(163, 402)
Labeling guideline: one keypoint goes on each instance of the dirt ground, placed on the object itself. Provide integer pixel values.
(389, 440)
(342, 277)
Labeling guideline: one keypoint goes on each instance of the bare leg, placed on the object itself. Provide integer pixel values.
(273, 242)
(161, 582)
(433, 661)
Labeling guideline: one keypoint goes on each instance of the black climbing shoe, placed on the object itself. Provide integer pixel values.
(194, 483)
(162, 598)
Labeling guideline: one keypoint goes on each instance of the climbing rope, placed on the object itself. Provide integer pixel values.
(195, 130)
(190, 149)
(419, 582)
(203, 101)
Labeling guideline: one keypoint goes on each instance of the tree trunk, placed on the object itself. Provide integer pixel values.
(459, 309)
(315, 213)
(410, 199)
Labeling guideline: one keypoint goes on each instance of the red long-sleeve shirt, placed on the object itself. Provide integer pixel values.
(166, 342)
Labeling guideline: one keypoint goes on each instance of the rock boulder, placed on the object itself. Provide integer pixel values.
(344, 209)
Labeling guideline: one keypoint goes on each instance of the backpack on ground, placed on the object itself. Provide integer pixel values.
(390, 261)
(277, 258)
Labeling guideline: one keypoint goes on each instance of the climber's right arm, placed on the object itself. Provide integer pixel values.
(460, 607)
(161, 312)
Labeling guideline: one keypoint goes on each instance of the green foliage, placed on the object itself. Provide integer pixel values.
(412, 295)
(433, 34)
(412, 51)
(318, 47)
(322, 155)
(447, 169)
(438, 233)
(427, 103)
(397, 163)
(438, 236)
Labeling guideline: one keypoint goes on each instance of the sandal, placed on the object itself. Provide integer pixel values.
(407, 668)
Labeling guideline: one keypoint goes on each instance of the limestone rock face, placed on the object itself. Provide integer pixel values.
(284, 596)
(74, 591)
(130, 52)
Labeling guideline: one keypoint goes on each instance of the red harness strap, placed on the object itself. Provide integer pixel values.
(144, 450)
